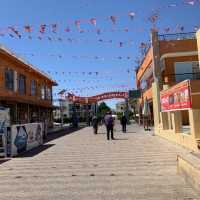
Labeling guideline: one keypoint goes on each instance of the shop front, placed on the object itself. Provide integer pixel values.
(180, 114)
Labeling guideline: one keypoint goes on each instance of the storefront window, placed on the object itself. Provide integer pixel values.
(9, 79)
(33, 88)
(22, 84)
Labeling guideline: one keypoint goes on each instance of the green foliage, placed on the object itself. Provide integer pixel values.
(119, 115)
(102, 109)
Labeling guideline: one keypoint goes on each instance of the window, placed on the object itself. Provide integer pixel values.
(9, 79)
(48, 93)
(42, 91)
(186, 70)
(33, 88)
(22, 84)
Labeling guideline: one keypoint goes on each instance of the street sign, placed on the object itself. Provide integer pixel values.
(134, 94)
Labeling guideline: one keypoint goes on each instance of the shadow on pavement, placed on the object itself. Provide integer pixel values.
(58, 134)
(3, 160)
(50, 137)
(35, 151)
(121, 139)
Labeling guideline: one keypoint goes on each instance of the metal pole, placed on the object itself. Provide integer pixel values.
(61, 112)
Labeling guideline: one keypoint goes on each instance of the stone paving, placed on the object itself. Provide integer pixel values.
(84, 166)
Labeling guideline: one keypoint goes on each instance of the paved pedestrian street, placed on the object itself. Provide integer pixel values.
(84, 166)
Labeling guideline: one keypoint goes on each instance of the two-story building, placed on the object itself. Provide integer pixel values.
(178, 60)
(25, 90)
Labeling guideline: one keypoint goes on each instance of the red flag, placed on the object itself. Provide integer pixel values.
(93, 21)
(67, 30)
(42, 28)
(54, 28)
(131, 15)
(113, 19)
(78, 24)
(27, 29)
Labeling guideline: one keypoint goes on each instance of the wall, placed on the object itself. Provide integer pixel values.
(174, 46)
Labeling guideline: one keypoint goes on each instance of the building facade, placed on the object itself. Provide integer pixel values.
(177, 60)
(25, 90)
(171, 70)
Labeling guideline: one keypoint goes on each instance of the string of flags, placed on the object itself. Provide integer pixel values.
(91, 73)
(15, 30)
(78, 56)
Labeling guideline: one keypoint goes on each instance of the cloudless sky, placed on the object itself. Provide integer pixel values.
(113, 73)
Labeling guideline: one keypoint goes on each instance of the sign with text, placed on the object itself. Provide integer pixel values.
(177, 97)
(134, 94)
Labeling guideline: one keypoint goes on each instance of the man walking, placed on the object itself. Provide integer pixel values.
(95, 124)
(109, 122)
(123, 123)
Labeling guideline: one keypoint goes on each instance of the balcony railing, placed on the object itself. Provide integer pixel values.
(177, 36)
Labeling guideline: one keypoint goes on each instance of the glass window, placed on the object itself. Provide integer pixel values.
(42, 91)
(22, 84)
(9, 79)
(186, 70)
(48, 93)
(33, 88)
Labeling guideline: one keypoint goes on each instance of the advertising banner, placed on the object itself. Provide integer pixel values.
(177, 97)
(25, 137)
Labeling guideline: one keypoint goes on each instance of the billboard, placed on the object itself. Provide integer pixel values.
(177, 97)
(25, 137)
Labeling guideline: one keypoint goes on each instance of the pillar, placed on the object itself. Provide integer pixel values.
(176, 121)
(194, 116)
(198, 44)
(156, 105)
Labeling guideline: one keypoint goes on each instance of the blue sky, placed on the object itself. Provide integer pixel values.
(69, 70)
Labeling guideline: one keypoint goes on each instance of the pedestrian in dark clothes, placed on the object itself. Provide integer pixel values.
(109, 122)
(95, 122)
(123, 123)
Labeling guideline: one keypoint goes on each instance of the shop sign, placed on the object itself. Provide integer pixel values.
(177, 97)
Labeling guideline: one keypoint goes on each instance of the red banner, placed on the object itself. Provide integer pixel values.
(94, 99)
(177, 97)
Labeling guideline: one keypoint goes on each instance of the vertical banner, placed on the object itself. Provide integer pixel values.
(177, 97)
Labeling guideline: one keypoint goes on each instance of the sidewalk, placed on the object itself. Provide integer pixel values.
(81, 165)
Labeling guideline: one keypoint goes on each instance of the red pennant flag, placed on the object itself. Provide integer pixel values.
(93, 21)
(113, 19)
(67, 30)
(54, 28)
(42, 28)
(27, 29)
(131, 15)
(15, 31)
(78, 24)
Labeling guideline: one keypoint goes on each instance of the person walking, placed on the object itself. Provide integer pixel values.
(123, 123)
(95, 122)
(109, 122)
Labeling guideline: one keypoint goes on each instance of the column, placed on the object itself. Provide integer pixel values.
(198, 44)
(194, 116)
(177, 121)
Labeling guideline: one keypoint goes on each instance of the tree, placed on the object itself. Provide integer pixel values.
(102, 109)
